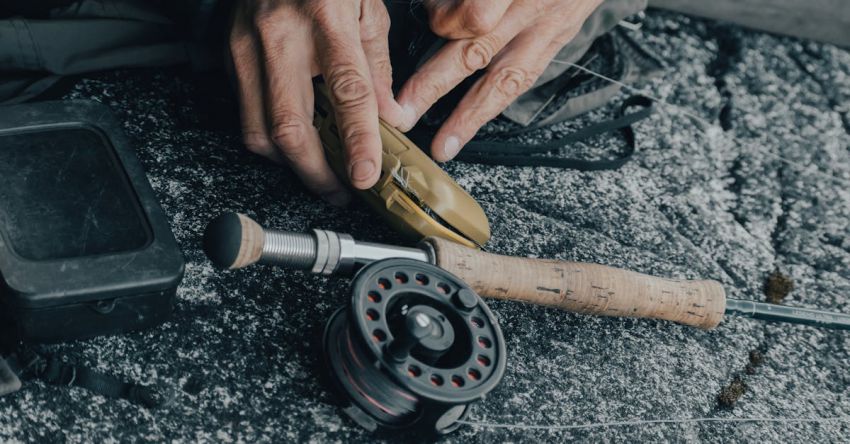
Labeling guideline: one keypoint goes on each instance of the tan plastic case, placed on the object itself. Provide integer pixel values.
(414, 194)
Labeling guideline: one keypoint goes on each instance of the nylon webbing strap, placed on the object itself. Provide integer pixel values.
(518, 154)
(52, 370)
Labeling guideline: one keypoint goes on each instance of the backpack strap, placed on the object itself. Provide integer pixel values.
(51, 369)
(519, 154)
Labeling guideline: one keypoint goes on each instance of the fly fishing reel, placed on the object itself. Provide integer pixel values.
(413, 349)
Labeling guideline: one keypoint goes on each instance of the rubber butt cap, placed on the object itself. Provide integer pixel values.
(223, 240)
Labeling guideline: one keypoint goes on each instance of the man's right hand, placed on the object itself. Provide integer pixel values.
(277, 47)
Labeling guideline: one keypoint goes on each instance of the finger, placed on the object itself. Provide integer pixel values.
(346, 73)
(245, 50)
(289, 106)
(374, 35)
(458, 60)
(512, 73)
(461, 19)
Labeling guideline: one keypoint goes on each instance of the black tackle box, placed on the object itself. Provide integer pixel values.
(85, 248)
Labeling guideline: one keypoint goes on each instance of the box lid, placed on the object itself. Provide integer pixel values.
(79, 221)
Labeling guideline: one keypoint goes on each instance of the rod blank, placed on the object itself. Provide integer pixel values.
(783, 313)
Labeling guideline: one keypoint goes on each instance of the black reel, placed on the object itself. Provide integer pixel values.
(414, 348)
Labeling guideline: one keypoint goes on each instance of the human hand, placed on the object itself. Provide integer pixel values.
(514, 40)
(277, 47)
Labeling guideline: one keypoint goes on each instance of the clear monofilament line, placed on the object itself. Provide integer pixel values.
(634, 90)
(644, 422)
(687, 113)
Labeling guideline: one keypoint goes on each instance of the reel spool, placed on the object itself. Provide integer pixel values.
(413, 349)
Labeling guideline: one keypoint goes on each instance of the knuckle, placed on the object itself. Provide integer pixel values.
(477, 54)
(370, 33)
(432, 91)
(513, 81)
(446, 24)
(382, 20)
(256, 143)
(295, 154)
(539, 9)
(472, 120)
(449, 31)
(439, 26)
(383, 67)
(349, 87)
(426, 92)
(240, 43)
(356, 139)
(267, 21)
(289, 132)
(275, 18)
(323, 12)
(437, 12)
(375, 25)
(480, 20)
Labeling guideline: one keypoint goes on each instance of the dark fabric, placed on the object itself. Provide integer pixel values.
(513, 154)
(573, 92)
(410, 38)
(634, 65)
(528, 106)
(540, 106)
(29, 364)
(42, 41)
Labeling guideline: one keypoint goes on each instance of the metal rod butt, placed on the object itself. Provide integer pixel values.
(234, 241)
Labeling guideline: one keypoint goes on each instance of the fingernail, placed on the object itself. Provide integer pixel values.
(410, 117)
(451, 147)
(362, 170)
(338, 198)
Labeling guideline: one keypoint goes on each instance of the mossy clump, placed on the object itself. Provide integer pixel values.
(731, 393)
(756, 360)
(777, 287)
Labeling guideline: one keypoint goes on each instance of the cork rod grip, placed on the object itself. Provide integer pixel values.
(584, 288)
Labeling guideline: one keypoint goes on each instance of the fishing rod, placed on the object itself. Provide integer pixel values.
(415, 345)
(235, 241)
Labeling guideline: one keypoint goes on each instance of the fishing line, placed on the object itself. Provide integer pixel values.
(642, 422)
(684, 111)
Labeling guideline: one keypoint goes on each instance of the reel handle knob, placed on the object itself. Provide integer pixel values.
(584, 288)
(417, 326)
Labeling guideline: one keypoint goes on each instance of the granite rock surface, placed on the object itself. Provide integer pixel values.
(758, 182)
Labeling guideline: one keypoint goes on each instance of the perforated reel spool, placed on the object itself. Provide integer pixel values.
(413, 349)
